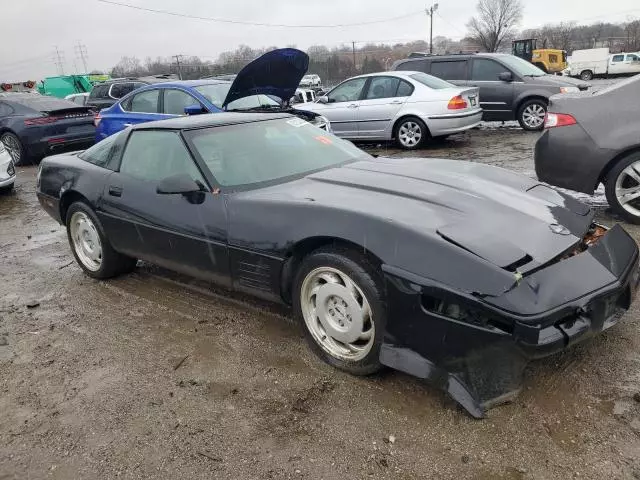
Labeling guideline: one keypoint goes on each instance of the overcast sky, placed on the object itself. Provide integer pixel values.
(32, 28)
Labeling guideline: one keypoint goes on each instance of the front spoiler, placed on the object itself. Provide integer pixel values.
(482, 366)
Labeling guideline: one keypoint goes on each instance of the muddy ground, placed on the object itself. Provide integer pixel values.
(155, 376)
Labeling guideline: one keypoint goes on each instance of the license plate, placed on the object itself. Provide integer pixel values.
(472, 101)
(80, 128)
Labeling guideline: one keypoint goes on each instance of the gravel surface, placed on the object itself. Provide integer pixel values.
(153, 375)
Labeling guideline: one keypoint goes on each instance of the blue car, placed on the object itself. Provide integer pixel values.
(266, 84)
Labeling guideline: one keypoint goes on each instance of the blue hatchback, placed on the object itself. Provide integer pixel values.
(266, 84)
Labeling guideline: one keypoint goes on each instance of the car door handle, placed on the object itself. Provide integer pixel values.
(396, 102)
(115, 191)
(353, 105)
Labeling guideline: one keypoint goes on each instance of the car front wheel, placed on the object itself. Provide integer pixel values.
(339, 301)
(91, 247)
(622, 188)
(531, 114)
(586, 75)
(411, 133)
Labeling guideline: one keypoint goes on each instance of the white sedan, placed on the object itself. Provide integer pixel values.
(408, 107)
(7, 170)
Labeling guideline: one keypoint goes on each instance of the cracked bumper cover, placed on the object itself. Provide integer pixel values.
(548, 311)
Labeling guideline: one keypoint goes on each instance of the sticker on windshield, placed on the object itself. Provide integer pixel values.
(297, 122)
(323, 139)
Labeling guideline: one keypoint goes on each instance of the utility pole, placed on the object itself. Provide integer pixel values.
(353, 45)
(81, 51)
(178, 57)
(430, 12)
(58, 59)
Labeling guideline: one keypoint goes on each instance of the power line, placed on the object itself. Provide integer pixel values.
(257, 24)
(81, 51)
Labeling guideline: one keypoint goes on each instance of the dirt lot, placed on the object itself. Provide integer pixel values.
(155, 376)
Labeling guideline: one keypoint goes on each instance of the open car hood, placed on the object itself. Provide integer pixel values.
(276, 73)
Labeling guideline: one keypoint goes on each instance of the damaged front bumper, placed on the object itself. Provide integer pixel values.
(476, 348)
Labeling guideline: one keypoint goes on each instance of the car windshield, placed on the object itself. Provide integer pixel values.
(521, 67)
(217, 92)
(265, 151)
(431, 81)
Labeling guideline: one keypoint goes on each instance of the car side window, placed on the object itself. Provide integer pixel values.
(415, 65)
(382, 87)
(5, 109)
(101, 152)
(175, 101)
(484, 70)
(449, 70)
(349, 91)
(144, 102)
(153, 155)
(618, 58)
(119, 90)
(632, 58)
(405, 89)
(99, 91)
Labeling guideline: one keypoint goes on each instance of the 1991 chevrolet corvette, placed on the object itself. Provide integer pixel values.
(455, 272)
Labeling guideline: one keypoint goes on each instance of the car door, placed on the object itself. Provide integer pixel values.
(174, 101)
(186, 233)
(452, 70)
(496, 96)
(632, 63)
(342, 106)
(138, 108)
(381, 102)
(616, 64)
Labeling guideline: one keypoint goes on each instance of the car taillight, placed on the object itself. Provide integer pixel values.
(552, 120)
(40, 121)
(96, 119)
(457, 103)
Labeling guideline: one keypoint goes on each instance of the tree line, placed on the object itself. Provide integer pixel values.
(491, 29)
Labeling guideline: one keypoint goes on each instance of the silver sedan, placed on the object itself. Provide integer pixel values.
(408, 107)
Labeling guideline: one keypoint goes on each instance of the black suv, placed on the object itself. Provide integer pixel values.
(107, 93)
(510, 87)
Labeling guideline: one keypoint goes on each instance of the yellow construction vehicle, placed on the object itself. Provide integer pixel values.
(550, 60)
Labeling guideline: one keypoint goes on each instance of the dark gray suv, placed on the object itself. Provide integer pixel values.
(510, 87)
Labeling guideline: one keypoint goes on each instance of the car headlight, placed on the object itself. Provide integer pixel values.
(322, 122)
(569, 89)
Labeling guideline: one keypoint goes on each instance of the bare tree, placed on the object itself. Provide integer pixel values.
(632, 30)
(496, 19)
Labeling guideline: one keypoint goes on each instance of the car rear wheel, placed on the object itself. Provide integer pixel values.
(411, 133)
(531, 114)
(622, 188)
(14, 146)
(339, 301)
(586, 75)
(91, 247)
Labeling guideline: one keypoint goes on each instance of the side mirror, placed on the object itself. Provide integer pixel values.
(178, 184)
(506, 77)
(323, 99)
(193, 110)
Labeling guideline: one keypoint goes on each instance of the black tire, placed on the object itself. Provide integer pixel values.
(527, 107)
(419, 124)
(14, 146)
(586, 75)
(368, 279)
(610, 188)
(113, 263)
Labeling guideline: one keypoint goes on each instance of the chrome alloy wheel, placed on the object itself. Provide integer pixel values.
(337, 314)
(628, 188)
(86, 241)
(533, 115)
(409, 134)
(12, 144)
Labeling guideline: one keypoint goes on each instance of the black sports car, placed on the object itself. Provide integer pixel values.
(456, 272)
(33, 125)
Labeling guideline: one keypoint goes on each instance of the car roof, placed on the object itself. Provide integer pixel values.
(187, 83)
(462, 56)
(209, 120)
(396, 73)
